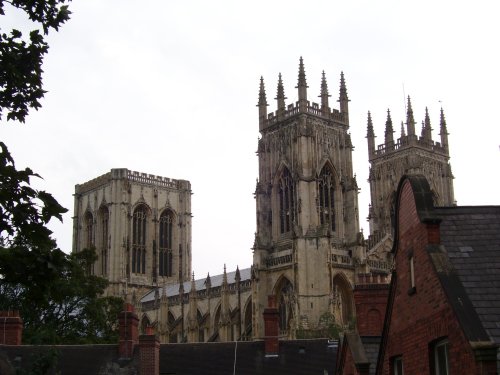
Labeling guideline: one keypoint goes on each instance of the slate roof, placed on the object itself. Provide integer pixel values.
(71, 359)
(216, 281)
(371, 345)
(471, 237)
(295, 357)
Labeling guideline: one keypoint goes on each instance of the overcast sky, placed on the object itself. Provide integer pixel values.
(170, 88)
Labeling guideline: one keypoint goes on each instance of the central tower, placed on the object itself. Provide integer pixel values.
(307, 210)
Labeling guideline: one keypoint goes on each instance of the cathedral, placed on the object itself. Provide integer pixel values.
(308, 251)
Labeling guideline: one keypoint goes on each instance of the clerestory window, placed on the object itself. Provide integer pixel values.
(286, 195)
(166, 240)
(326, 197)
(139, 227)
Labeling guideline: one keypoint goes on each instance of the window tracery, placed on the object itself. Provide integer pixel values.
(166, 240)
(139, 227)
(286, 196)
(326, 197)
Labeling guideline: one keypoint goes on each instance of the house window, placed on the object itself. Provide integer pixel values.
(439, 357)
(286, 201)
(326, 198)
(166, 239)
(139, 240)
(104, 223)
(411, 270)
(397, 366)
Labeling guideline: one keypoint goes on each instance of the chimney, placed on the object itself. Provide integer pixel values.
(149, 353)
(11, 328)
(271, 327)
(371, 293)
(128, 331)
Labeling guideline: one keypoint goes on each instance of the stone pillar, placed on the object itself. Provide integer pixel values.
(149, 353)
(11, 328)
(128, 331)
(271, 327)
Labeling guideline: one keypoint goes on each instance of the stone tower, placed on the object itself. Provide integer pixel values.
(307, 210)
(410, 154)
(140, 226)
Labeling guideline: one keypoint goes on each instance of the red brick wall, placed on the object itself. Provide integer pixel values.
(128, 324)
(371, 302)
(349, 367)
(149, 355)
(421, 317)
(271, 327)
(11, 328)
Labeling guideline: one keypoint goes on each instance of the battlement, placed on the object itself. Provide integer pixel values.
(133, 176)
(408, 141)
(312, 109)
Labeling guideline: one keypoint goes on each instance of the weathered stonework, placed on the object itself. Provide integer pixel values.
(120, 214)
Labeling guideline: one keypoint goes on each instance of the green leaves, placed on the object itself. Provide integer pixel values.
(21, 61)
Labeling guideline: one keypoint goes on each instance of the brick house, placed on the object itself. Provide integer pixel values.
(443, 312)
(358, 350)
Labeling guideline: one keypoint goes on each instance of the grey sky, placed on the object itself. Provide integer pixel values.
(170, 88)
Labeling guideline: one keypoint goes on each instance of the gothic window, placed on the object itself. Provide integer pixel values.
(286, 201)
(104, 224)
(89, 230)
(166, 240)
(285, 295)
(326, 197)
(139, 226)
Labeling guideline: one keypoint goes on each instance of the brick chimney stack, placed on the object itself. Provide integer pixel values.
(370, 297)
(271, 327)
(11, 328)
(149, 353)
(128, 331)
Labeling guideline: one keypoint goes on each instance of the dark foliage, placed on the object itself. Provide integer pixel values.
(21, 59)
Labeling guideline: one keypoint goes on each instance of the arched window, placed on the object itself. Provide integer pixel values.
(326, 197)
(139, 239)
(89, 230)
(104, 224)
(286, 201)
(166, 244)
(284, 298)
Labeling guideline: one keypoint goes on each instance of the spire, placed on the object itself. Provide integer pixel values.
(280, 97)
(262, 104)
(193, 285)
(325, 109)
(237, 276)
(343, 98)
(410, 121)
(403, 134)
(427, 130)
(443, 131)
(224, 277)
(302, 86)
(370, 135)
(389, 132)
(208, 281)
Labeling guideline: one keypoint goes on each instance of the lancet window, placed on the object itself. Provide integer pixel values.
(89, 230)
(286, 201)
(104, 224)
(326, 197)
(139, 228)
(166, 241)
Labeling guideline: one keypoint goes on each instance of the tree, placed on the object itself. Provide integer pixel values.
(59, 301)
(21, 60)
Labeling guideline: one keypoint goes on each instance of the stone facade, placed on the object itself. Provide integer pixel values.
(307, 211)
(408, 155)
(308, 246)
(140, 226)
